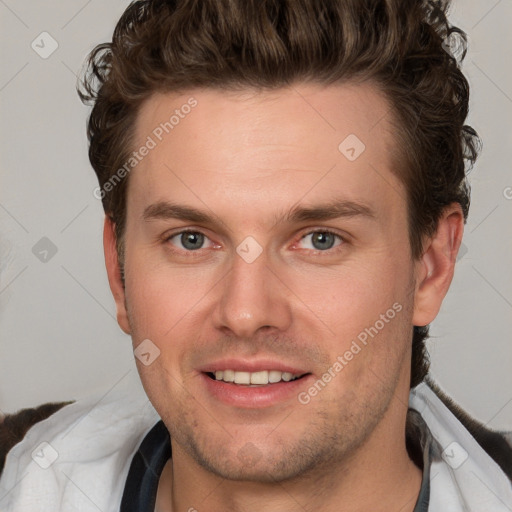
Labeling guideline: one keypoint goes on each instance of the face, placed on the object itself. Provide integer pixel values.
(266, 242)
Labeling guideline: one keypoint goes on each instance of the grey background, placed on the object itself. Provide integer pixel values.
(59, 338)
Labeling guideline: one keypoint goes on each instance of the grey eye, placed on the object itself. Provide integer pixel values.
(322, 240)
(190, 240)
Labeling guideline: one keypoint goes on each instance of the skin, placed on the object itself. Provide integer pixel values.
(246, 158)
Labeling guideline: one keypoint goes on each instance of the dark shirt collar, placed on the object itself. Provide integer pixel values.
(147, 465)
(155, 450)
(419, 445)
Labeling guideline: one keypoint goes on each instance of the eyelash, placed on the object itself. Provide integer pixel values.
(328, 252)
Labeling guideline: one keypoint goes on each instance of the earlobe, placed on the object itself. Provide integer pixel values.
(436, 267)
(114, 273)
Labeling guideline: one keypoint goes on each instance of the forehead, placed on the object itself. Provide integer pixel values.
(265, 149)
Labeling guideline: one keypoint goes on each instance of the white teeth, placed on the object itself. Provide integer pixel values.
(242, 378)
(260, 378)
(274, 376)
(229, 376)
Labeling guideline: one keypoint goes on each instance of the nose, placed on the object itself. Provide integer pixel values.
(252, 297)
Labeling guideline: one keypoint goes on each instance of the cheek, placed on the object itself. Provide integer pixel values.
(365, 313)
(353, 296)
(161, 297)
(161, 303)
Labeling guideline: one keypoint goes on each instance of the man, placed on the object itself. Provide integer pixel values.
(284, 189)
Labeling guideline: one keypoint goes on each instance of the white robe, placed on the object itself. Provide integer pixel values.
(78, 459)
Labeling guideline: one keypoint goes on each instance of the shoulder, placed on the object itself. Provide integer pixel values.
(470, 464)
(13, 427)
(78, 458)
(497, 444)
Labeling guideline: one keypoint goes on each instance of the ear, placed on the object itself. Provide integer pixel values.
(114, 273)
(436, 267)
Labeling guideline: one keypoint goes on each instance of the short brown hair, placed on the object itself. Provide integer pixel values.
(402, 46)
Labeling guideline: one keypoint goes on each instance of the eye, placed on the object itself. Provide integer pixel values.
(189, 240)
(322, 240)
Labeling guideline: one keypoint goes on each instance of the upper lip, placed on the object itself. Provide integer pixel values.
(248, 365)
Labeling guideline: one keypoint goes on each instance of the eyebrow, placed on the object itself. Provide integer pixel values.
(164, 210)
(332, 210)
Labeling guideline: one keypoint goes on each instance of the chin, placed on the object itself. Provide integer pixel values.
(263, 464)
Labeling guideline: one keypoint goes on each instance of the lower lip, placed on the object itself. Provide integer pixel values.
(254, 397)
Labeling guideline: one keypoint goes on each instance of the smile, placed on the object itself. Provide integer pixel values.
(259, 378)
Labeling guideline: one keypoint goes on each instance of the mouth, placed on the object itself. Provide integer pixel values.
(253, 385)
(254, 379)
